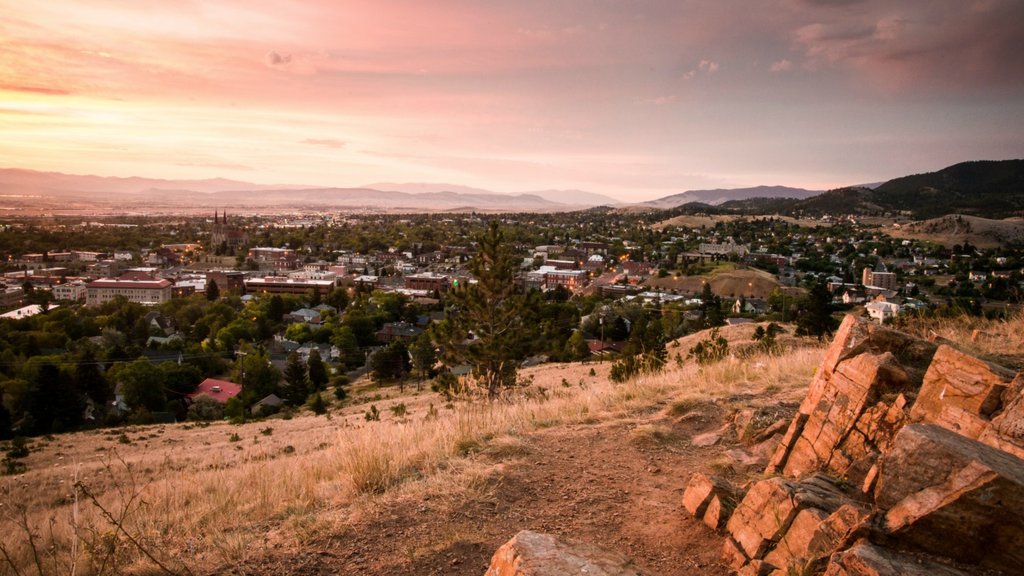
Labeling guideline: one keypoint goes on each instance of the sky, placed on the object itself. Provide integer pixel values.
(630, 98)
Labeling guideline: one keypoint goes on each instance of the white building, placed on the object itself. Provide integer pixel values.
(70, 291)
(882, 311)
(135, 285)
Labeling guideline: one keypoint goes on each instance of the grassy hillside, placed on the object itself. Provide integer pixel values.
(419, 490)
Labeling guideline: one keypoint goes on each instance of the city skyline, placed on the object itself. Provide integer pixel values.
(635, 100)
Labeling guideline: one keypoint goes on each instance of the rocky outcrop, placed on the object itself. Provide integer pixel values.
(535, 554)
(903, 458)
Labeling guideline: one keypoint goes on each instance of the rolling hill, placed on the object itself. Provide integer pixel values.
(720, 196)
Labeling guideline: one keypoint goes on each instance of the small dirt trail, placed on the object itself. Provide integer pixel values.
(614, 484)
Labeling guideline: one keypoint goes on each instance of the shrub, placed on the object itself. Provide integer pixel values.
(711, 349)
(205, 409)
(372, 415)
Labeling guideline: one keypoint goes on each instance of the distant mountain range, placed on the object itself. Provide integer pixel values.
(71, 192)
(722, 195)
(987, 189)
(991, 189)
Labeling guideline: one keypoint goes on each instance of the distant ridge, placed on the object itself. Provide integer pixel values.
(722, 195)
(986, 188)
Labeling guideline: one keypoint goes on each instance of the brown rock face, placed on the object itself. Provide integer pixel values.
(763, 516)
(866, 559)
(960, 392)
(952, 496)
(1006, 430)
(701, 490)
(855, 402)
(534, 554)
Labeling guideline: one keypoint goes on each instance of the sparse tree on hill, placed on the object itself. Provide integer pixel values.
(317, 371)
(296, 387)
(423, 356)
(815, 315)
(487, 324)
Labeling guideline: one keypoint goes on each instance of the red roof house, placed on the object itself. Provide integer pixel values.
(219, 390)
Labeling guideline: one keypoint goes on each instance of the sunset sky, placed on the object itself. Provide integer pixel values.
(635, 99)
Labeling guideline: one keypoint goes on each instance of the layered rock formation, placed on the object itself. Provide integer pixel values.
(904, 458)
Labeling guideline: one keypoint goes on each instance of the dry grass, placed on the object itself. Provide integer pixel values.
(190, 492)
(998, 341)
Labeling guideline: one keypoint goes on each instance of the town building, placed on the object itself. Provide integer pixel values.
(879, 277)
(225, 236)
(282, 285)
(274, 258)
(723, 249)
(69, 291)
(428, 281)
(138, 285)
(226, 280)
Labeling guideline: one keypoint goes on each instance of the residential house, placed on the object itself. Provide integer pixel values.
(219, 390)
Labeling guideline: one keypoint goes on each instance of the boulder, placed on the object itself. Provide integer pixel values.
(763, 516)
(535, 554)
(865, 366)
(949, 495)
(794, 549)
(1006, 430)
(865, 559)
(960, 392)
(701, 490)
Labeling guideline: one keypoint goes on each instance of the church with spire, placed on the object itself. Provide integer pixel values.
(224, 238)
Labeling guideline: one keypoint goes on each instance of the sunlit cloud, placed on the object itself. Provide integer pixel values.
(629, 99)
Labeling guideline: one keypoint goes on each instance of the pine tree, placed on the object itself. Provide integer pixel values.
(487, 324)
(815, 314)
(212, 291)
(316, 371)
(296, 387)
(423, 356)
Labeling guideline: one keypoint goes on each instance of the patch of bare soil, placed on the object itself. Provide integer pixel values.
(614, 484)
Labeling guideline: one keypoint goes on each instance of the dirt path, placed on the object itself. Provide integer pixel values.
(617, 485)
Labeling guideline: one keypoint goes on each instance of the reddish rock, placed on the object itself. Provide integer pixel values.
(763, 516)
(778, 427)
(842, 527)
(701, 490)
(952, 496)
(865, 559)
(960, 392)
(717, 513)
(534, 554)
(705, 440)
(755, 568)
(1006, 431)
(794, 549)
(855, 383)
(733, 554)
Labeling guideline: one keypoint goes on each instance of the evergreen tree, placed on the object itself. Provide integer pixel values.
(487, 324)
(5, 420)
(212, 291)
(390, 363)
(296, 387)
(316, 404)
(317, 371)
(814, 317)
(423, 356)
(711, 306)
(314, 297)
(89, 380)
